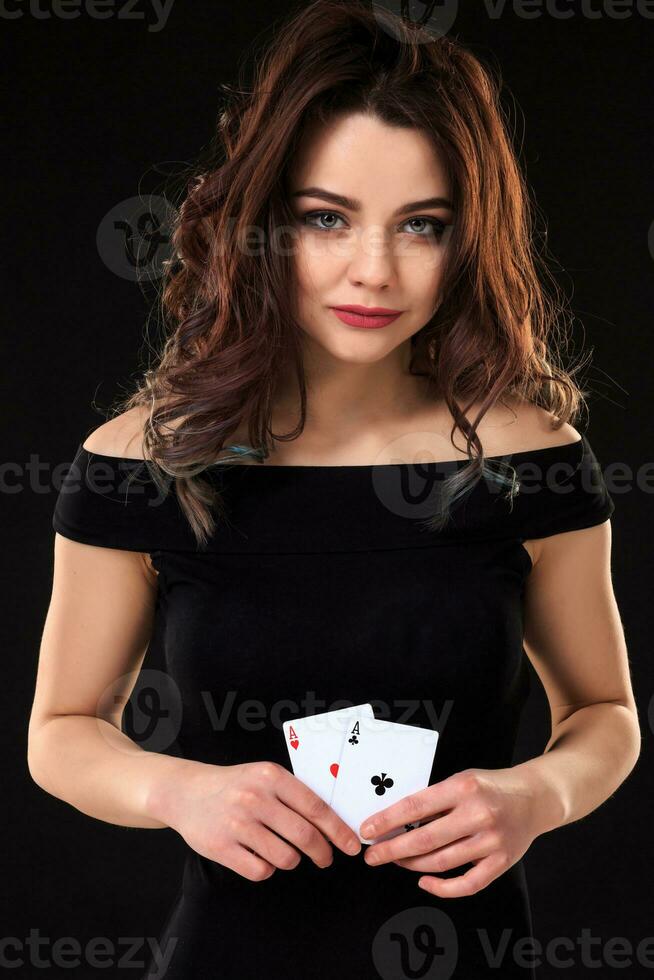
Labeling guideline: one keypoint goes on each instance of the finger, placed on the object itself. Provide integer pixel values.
(452, 856)
(313, 808)
(472, 881)
(269, 846)
(298, 832)
(240, 860)
(433, 800)
(434, 834)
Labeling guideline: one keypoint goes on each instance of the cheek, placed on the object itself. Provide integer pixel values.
(424, 268)
(428, 291)
(313, 262)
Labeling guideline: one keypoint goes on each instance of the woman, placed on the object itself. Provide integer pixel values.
(322, 540)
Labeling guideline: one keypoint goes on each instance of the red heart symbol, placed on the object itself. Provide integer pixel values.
(295, 742)
(334, 769)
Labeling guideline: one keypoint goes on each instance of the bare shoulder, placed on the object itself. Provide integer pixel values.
(519, 426)
(121, 436)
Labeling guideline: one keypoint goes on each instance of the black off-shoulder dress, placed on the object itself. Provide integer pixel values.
(323, 588)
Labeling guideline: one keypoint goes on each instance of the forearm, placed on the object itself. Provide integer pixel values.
(99, 770)
(588, 756)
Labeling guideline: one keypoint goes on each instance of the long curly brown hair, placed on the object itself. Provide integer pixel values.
(231, 314)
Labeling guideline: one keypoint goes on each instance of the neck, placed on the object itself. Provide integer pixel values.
(342, 395)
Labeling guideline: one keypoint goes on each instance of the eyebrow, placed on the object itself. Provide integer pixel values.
(351, 204)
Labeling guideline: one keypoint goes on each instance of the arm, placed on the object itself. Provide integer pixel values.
(95, 637)
(575, 640)
(96, 633)
(488, 818)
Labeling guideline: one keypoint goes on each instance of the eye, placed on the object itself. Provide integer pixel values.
(319, 215)
(435, 227)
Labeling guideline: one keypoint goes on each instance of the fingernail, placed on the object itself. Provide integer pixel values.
(353, 847)
(372, 857)
(367, 830)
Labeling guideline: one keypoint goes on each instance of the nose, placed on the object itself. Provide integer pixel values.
(371, 261)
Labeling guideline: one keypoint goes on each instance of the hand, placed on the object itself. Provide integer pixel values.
(233, 814)
(480, 816)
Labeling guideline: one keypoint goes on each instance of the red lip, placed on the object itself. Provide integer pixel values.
(353, 317)
(368, 310)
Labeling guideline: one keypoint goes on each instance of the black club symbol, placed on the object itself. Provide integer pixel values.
(381, 783)
(354, 740)
(409, 826)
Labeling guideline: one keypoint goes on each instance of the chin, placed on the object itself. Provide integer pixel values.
(360, 347)
(368, 353)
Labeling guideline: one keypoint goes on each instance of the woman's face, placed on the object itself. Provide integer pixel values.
(372, 222)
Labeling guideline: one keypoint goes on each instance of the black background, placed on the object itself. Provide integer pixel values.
(100, 110)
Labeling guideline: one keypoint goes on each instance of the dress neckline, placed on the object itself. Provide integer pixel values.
(567, 448)
(315, 509)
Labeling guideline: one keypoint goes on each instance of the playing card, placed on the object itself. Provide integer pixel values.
(381, 763)
(315, 744)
